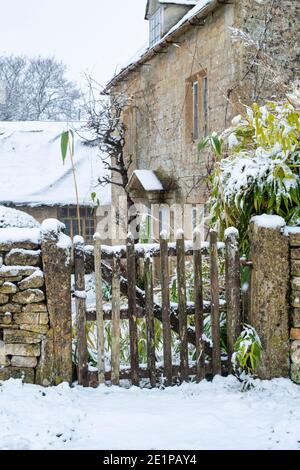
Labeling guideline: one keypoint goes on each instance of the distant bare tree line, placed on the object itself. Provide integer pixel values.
(35, 89)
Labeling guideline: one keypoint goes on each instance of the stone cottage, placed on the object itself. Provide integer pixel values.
(192, 77)
(34, 179)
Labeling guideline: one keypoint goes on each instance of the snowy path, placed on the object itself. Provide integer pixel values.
(206, 416)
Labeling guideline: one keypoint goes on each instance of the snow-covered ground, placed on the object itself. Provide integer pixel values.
(206, 416)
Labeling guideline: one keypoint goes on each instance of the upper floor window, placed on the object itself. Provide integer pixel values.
(155, 27)
(197, 107)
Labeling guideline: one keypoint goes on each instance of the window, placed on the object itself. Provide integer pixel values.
(164, 224)
(197, 107)
(205, 106)
(68, 215)
(196, 110)
(155, 28)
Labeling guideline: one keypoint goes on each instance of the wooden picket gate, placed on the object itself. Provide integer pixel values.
(142, 304)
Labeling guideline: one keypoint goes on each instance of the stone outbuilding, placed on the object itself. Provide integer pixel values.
(34, 179)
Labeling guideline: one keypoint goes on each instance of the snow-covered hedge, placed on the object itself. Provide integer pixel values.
(258, 166)
(15, 218)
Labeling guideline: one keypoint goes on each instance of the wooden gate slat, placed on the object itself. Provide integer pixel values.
(199, 310)
(215, 303)
(182, 313)
(167, 338)
(115, 328)
(131, 275)
(82, 351)
(99, 309)
(233, 290)
(148, 278)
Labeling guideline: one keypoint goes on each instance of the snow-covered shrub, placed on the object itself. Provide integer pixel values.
(14, 218)
(258, 166)
(246, 356)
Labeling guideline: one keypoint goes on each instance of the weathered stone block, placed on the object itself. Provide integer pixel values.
(43, 318)
(35, 281)
(33, 308)
(12, 308)
(21, 337)
(4, 362)
(295, 373)
(26, 374)
(5, 318)
(295, 239)
(295, 253)
(29, 296)
(21, 257)
(27, 318)
(8, 288)
(295, 333)
(13, 279)
(16, 271)
(295, 317)
(42, 329)
(295, 267)
(295, 298)
(295, 352)
(295, 283)
(45, 371)
(270, 284)
(3, 299)
(21, 361)
(25, 245)
(31, 350)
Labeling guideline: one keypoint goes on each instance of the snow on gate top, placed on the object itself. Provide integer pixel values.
(31, 168)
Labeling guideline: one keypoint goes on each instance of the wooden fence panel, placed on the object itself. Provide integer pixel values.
(82, 352)
(233, 290)
(115, 326)
(215, 303)
(131, 275)
(182, 312)
(99, 310)
(199, 310)
(145, 306)
(148, 281)
(164, 279)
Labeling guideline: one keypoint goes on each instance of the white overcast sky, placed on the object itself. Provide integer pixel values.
(94, 36)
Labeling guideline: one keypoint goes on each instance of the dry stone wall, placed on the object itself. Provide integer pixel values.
(294, 237)
(24, 320)
(35, 304)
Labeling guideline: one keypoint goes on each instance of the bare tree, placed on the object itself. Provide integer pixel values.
(37, 89)
(108, 131)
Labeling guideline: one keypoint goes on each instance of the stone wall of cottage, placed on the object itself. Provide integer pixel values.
(158, 137)
(295, 305)
(160, 105)
(269, 63)
(24, 320)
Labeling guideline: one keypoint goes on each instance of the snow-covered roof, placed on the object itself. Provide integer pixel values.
(31, 168)
(202, 7)
(147, 179)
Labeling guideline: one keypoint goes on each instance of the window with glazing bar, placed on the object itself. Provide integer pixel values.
(155, 27)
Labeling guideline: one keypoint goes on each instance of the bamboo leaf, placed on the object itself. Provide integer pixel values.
(64, 142)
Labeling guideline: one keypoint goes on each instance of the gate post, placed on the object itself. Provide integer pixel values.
(56, 256)
(269, 311)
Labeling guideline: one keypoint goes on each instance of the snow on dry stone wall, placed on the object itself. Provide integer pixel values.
(294, 235)
(24, 320)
